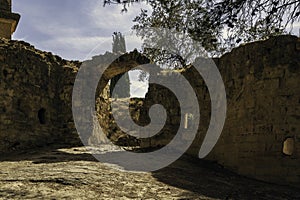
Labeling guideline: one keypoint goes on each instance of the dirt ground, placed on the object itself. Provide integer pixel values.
(60, 172)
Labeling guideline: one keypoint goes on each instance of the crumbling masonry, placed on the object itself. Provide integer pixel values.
(261, 135)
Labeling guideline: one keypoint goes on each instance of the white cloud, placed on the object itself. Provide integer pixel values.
(74, 30)
(138, 88)
(78, 47)
(111, 17)
(295, 29)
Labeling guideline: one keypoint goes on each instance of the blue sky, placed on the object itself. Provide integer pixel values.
(77, 29)
(72, 28)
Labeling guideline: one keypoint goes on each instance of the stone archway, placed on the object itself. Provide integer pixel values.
(138, 107)
(121, 65)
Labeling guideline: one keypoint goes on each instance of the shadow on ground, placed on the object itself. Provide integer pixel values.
(192, 175)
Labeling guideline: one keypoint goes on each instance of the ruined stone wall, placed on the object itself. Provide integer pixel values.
(261, 136)
(105, 104)
(32, 107)
(261, 133)
(262, 84)
(36, 97)
(8, 20)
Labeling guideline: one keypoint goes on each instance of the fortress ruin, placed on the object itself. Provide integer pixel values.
(261, 137)
(261, 129)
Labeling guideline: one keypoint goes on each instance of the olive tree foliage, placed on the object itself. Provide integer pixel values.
(218, 25)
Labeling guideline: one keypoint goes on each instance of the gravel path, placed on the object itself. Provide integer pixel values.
(72, 173)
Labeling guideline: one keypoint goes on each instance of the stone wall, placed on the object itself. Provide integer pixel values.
(8, 20)
(262, 83)
(5, 5)
(32, 107)
(138, 107)
(261, 133)
(261, 136)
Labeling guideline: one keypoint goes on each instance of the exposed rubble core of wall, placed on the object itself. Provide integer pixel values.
(260, 138)
(33, 108)
(262, 82)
